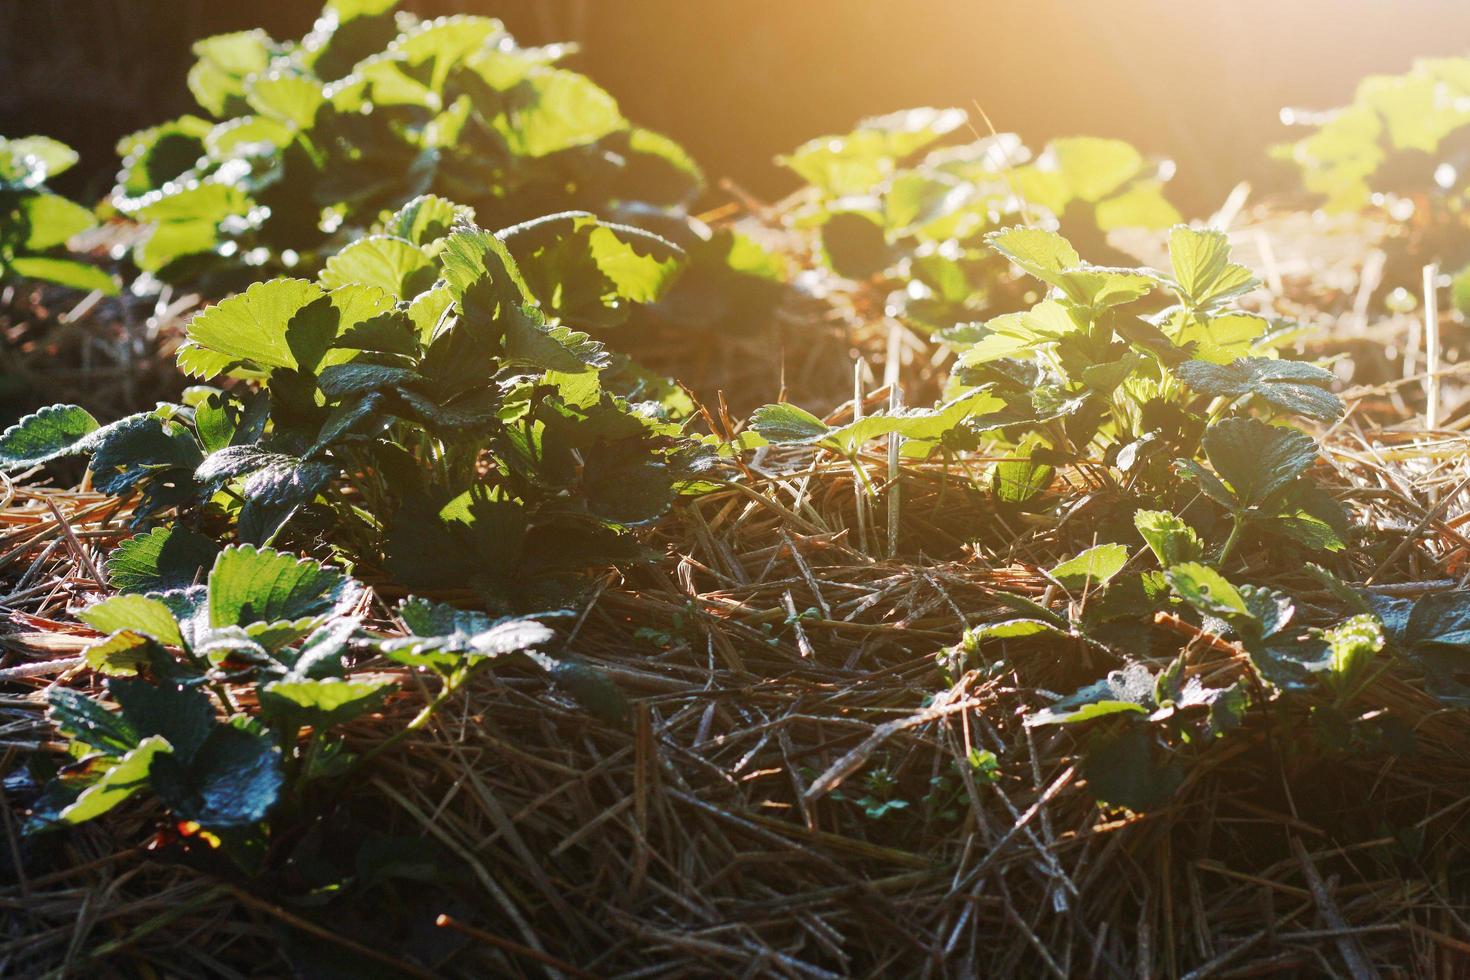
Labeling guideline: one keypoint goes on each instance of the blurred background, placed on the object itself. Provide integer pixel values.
(738, 81)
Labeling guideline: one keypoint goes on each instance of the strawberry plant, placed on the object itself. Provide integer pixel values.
(915, 228)
(35, 224)
(425, 404)
(1401, 147)
(1403, 136)
(1140, 721)
(1163, 408)
(291, 629)
(1094, 371)
(301, 145)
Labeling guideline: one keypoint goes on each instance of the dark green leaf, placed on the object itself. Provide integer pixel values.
(1255, 459)
(79, 717)
(183, 715)
(233, 780)
(51, 433)
(1124, 769)
(164, 558)
(1292, 386)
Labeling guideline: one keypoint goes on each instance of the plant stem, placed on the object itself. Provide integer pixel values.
(452, 684)
(1230, 540)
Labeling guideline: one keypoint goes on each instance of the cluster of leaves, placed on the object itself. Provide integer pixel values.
(918, 225)
(35, 223)
(425, 405)
(1099, 370)
(1164, 407)
(1406, 135)
(1140, 718)
(192, 622)
(303, 144)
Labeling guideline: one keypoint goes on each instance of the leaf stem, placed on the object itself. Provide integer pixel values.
(1232, 537)
(452, 684)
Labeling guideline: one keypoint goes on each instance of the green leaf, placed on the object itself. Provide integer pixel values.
(1043, 254)
(49, 220)
(787, 423)
(1031, 609)
(1094, 167)
(1202, 268)
(139, 448)
(1220, 338)
(1092, 568)
(164, 558)
(123, 654)
(259, 585)
(52, 433)
(1206, 590)
(284, 323)
(38, 158)
(586, 270)
(186, 224)
(1021, 480)
(139, 613)
(325, 702)
(1010, 629)
(855, 245)
(1129, 689)
(1085, 712)
(558, 110)
(625, 485)
(225, 60)
(1270, 611)
(592, 687)
(394, 265)
(1460, 291)
(1052, 259)
(292, 99)
(482, 275)
(858, 162)
(641, 265)
(1142, 205)
(241, 137)
(1433, 634)
(1351, 646)
(1209, 483)
(1289, 385)
(426, 219)
(343, 380)
(65, 272)
(232, 462)
(1257, 460)
(1124, 769)
(153, 157)
(182, 715)
(233, 780)
(442, 637)
(118, 783)
(79, 717)
(442, 43)
(1172, 541)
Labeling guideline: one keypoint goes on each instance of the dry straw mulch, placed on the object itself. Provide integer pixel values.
(774, 666)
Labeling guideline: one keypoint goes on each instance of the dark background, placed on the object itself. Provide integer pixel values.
(738, 81)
